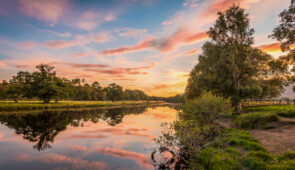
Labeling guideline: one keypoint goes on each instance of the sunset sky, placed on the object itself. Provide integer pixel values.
(140, 44)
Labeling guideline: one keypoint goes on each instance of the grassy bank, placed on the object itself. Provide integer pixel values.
(36, 105)
(237, 149)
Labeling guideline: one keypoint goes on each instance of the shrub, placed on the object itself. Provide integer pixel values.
(286, 113)
(206, 108)
(257, 160)
(252, 120)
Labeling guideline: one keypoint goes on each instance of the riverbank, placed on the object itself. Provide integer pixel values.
(210, 135)
(38, 105)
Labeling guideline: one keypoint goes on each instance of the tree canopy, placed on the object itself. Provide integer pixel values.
(231, 67)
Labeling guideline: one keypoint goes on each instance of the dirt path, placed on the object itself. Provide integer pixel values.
(280, 139)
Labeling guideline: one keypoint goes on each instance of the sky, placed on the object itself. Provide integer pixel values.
(150, 45)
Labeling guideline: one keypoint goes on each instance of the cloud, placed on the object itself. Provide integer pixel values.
(190, 3)
(142, 45)
(82, 136)
(221, 5)
(77, 65)
(44, 10)
(65, 34)
(90, 19)
(180, 54)
(138, 157)
(2, 64)
(79, 55)
(132, 32)
(79, 40)
(181, 37)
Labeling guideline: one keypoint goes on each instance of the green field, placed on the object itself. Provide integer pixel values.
(38, 105)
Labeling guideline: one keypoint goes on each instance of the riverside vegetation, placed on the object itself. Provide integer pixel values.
(213, 130)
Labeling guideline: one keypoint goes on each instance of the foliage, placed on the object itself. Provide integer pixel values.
(253, 120)
(186, 137)
(46, 85)
(205, 108)
(285, 32)
(230, 67)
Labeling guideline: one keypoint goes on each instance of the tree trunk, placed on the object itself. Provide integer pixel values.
(46, 101)
(238, 107)
(15, 100)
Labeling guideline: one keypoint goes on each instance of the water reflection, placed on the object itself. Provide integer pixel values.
(42, 127)
(117, 138)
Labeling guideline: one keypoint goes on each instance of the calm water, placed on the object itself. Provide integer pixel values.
(118, 138)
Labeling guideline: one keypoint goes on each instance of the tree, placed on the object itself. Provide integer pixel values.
(114, 92)
(229, 66)
(46, 85)
(285, 32)
(3, 90)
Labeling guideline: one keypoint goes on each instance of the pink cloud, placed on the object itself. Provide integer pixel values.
(180, 54)
(79, 40)
(79, 55)
(181, 37)
(58, 44)
(90, 19)
(75, 163)
(142, 45)
(2, 64)
(221, 5)
(131, 32)
(44, 10)
(28, 44)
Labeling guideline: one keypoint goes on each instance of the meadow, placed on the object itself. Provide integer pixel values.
(39, 105)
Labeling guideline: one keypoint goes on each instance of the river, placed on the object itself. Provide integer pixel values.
(116, 138)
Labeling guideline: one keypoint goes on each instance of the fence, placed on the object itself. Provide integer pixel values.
(267, 102)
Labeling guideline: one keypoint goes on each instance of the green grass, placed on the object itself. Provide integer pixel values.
(283, 111)
(236, 149)
(37, 105)
(254, 119)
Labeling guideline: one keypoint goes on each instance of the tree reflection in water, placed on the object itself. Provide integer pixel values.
(42, 127)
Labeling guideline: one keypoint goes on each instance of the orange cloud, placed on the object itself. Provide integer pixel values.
(138, 157)
(221, 5)
(273, 48)
(144, 44)
(182, 36)
(181, 54)
(2, 64)
(49, 11)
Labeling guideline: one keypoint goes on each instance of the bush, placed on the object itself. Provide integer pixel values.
(286, 113)
(206, 108)
(257, 160)
(253, 120)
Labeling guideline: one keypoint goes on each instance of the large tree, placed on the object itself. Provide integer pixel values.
(229, 66)
(285, 33)
(46, 84)
(114, 92)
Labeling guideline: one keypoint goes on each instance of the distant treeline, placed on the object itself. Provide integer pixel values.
(45, 85)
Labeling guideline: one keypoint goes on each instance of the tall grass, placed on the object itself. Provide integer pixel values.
(253, 120)
(37, 105)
